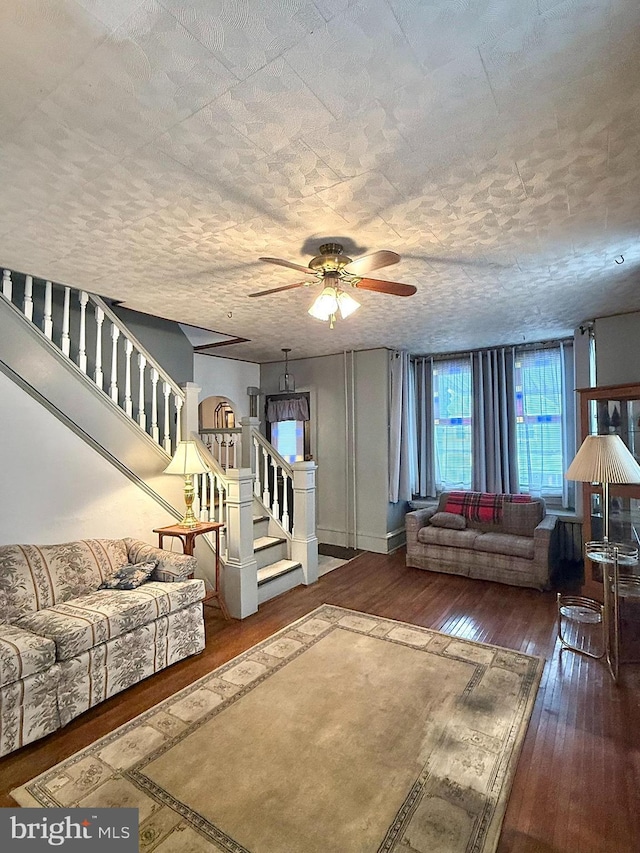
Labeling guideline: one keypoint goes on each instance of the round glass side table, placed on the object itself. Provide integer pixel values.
(587, 611)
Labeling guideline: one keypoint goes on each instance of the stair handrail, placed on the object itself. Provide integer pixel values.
(264, 442)
(140, 347)
(267, 492)
(145, 360)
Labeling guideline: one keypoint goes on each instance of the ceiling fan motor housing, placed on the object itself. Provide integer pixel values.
(330, 258)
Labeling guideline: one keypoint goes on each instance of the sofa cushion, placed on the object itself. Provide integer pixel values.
(37, 576)
(449, 520)
(505, 543)
(130, 576)
(521, 519)
(81, 623)
(23, 653)
(443, 536)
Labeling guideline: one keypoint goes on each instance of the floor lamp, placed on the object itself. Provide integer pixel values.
(602, 459)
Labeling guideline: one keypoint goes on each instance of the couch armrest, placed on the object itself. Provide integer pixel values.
(544, 540)
(171, 566)
(413, 521)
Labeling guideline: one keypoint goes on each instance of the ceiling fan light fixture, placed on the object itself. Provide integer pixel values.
(325, 305)
(347, 304)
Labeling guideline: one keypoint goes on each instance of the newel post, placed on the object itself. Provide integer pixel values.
(304, 544)
(189, 414)
(248, 450)
(240, 581)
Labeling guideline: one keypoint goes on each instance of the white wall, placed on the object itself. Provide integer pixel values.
(226, 377)
(618, 349)
(56, 488)
(343, 440)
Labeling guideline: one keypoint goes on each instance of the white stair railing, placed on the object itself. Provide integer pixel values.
(273, 483)
(211, 490)
(225, 445)
(73, 320)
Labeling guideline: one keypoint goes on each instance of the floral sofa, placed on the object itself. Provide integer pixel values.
(66, 644)
(505, 538)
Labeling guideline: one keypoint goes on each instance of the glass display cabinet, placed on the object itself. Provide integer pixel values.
(610, 410)
(614, 410)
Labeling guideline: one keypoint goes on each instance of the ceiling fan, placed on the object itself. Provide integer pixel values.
(335, 270)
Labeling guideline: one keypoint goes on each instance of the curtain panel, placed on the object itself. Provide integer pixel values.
(494, 422)
(402, 441)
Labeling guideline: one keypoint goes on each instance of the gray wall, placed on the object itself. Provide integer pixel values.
(349, 435)
(164, 339)
(618, 349)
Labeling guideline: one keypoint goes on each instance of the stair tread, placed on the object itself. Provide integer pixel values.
(266, 542)
(274, 570)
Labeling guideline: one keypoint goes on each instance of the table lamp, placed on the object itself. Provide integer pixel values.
(187, 461)
(604, 459)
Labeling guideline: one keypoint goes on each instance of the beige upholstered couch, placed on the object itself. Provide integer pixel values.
(66, 645)
(518, 549)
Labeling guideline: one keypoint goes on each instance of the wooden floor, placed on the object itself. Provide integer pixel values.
(577, 787)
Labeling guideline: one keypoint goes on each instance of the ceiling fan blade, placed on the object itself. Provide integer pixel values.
(278, 289)
(392, 287)
(289, 264)
(374, 261)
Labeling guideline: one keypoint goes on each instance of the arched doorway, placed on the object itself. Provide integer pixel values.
(219, 431)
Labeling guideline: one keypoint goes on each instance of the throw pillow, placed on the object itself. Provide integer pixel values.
(521, 519)
(450, 520)
(130, 576)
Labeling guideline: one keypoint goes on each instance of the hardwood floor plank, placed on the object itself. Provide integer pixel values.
(578, 778)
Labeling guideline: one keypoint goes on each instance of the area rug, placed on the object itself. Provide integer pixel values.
(342, 733)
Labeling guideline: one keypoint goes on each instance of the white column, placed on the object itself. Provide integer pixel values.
(142, 415)
(189, 415)
(248, 450)
(304, 545)
(7, 286)
(113, 388)
(47, 322)
(240, 576)
(82, 347)
(28, 297)
(98, 375)
(65, 343)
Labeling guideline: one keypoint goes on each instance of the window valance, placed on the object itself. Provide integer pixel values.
(288, 409)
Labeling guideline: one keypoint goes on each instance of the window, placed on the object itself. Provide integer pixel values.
(539, 421)
(452, 423)
(288, 439)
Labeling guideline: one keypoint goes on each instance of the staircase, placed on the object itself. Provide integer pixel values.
(69, 350)
(276, 572)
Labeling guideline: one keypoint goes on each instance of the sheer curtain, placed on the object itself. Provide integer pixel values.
(402, 436)
(452, 402)
(545, 420)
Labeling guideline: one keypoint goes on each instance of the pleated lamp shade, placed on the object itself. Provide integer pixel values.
(604, 459)
(186, 460)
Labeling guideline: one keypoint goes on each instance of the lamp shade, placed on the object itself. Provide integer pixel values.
(325, 305)
(186, 460)
(604, 459)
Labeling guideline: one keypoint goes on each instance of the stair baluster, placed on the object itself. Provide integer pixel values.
(155, 431)
(28, 297)
(142, 415)
(113, 387)
(98, 375)
(7, 286)
(47, 322)
(65, 344)
(82, 347)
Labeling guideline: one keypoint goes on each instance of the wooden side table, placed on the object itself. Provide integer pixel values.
(187, 536)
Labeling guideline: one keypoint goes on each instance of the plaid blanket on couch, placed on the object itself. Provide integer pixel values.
(481, 506)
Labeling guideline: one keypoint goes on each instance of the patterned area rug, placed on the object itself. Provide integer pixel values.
(342, 733)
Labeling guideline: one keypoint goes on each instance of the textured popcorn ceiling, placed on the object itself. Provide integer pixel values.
(152, 151)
